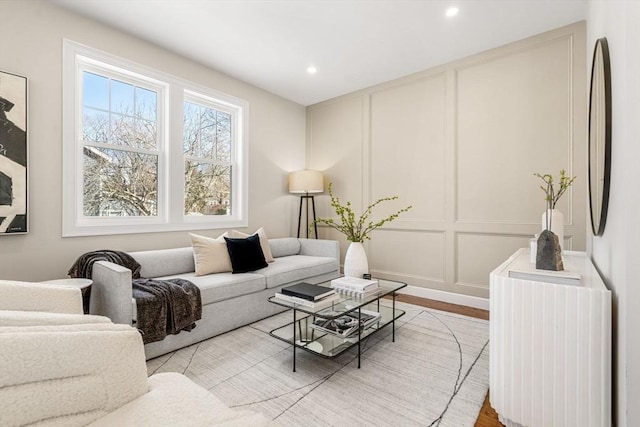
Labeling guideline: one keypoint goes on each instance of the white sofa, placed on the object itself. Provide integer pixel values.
(64, 368)
(228, 300)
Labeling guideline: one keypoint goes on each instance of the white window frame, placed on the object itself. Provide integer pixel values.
(86, 64)
(214, 102)
(172, 92)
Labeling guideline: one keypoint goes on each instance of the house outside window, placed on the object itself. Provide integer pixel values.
(144, 151)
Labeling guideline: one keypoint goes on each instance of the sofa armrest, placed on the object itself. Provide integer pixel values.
(324, 248)
(111, 293)
(27, 296)
(318, 247)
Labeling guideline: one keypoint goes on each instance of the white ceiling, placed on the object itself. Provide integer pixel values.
(353, 43)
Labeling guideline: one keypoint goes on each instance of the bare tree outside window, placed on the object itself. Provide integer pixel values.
(207, 149)
(120, 153)
(147, 151)
(119, 183)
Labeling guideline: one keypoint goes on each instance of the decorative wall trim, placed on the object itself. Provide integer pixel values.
(481, 222)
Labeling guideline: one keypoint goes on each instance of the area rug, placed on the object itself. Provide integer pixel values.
(436, 373)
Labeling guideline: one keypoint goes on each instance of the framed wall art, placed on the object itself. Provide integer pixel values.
(13, 154)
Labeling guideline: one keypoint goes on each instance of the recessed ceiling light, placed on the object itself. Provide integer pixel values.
(311, 70)
(452, 11)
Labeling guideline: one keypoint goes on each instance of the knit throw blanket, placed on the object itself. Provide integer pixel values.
(166, 307)
(83, 266)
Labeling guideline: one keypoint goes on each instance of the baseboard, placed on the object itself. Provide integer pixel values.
(450, 297)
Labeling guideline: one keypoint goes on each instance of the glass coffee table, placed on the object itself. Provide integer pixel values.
(300, 333)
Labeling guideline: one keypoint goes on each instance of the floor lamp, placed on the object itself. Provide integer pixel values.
(306, 182)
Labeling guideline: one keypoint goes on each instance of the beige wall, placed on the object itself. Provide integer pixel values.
(460, 143)
(31, 34)
(617, 252)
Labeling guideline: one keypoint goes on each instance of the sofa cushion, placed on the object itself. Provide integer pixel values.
(210, 255)
(246, 254)
(164, 262)
(296, 267)
(264, 241)
(222, 286)
(284, 247)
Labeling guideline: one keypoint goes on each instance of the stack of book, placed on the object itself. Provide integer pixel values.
(346, 325)
(355, 287)
(309, 296)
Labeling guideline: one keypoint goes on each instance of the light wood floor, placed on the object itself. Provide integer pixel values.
(487, 416)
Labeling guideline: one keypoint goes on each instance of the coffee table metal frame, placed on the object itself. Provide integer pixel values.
(335, 344)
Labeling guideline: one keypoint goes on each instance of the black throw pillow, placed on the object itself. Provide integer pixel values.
(246, 254)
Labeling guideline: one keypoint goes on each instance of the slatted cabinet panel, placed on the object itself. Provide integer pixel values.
(550, 346)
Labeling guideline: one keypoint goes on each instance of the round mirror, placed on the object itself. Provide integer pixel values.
(599, 136)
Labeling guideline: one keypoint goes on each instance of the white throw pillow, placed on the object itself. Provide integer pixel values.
(210, 255)
(264, 242)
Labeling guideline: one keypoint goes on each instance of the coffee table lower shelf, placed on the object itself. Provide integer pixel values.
(300, 334)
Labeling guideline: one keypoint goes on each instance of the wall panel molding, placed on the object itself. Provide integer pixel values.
(409, 115)
(461, 142)
(500, 142)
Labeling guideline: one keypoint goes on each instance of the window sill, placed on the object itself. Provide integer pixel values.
(104, 230)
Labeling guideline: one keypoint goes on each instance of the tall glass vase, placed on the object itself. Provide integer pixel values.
(557, 224)
(355, 261)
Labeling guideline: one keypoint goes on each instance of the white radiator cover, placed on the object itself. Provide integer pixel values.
(550, 358)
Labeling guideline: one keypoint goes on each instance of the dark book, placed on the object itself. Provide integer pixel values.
(308, 291)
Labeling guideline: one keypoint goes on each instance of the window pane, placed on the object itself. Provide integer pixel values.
(119, 183)
(95, 91)
(123, 131)
(146, 134)
(95, 125)
(190, 128)
(132, 121)
(121, 97)
(223, 137)
(207, 132)
(207, 189)
(146, 103)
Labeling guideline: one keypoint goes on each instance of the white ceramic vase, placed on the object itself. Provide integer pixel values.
(557, 224)
(355, 261)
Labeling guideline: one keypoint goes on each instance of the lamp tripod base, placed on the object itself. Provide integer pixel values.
(313, 207)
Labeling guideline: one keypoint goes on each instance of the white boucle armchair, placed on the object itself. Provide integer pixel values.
(63, 368)
(43, 297)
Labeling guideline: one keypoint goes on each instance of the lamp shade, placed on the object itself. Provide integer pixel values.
(306, 181)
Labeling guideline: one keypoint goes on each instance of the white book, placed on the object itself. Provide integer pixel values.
(357, 294)
(548, 276)
(314, 305)
(354, 283)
